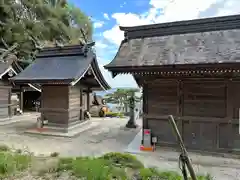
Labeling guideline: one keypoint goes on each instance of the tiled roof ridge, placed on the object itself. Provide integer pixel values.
(183, 27)
(67, 50)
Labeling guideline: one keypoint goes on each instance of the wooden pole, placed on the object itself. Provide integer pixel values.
(184, 151)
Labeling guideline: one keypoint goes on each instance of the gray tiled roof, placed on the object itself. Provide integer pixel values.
(55, 68)
(153, 45)
(183, 27)
(61, 65)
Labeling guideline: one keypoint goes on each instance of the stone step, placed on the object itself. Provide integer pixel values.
(72, 132)
(57, 128)
(18, 118)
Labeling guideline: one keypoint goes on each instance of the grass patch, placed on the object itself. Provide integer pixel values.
(115, 166)
(123, 160)
(114, 114)
(107, 167)
(11, 163)
(91, 168)
(4, 148)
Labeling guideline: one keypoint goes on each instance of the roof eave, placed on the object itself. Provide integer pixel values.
(98, 75)
(10, 68)
(41, 81)
(183, 27)
(201, 21)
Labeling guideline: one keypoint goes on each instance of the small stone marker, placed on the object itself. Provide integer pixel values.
(147, 138)
(147, 141)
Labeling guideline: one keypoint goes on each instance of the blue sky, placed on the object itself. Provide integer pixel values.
(107, 15)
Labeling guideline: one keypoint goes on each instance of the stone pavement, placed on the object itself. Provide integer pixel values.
(18, 118)
(166, 159)
(106, 136)
(110, 135)
(218, 173)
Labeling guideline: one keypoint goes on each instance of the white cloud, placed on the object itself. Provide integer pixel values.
(120, 81)
(229, 8)
(105, 15)
(168, 10)
(98, 24)
(100, 45)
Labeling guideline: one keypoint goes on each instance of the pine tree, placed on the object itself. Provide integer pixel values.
(31, 23)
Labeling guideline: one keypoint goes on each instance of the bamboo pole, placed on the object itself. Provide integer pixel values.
(183, 149)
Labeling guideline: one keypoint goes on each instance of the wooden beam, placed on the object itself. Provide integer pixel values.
(21, 98)
(193, 119)
(229, 105)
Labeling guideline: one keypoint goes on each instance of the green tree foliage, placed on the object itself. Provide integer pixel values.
(32, 23)
(121, 97)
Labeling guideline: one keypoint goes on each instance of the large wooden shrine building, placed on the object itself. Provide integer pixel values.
(191, 70)
(67, 75)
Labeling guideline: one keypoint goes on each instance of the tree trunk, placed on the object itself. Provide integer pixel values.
(125, 108)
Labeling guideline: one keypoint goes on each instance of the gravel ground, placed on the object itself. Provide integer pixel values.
(108, 136)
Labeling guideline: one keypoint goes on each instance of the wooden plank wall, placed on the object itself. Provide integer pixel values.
(206, 112)
(74, 104)
(202, 99)
(162, 101)
(5, 100)
(55, 104)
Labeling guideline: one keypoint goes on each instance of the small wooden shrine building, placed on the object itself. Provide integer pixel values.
(67, 76)
(191, 70)
(10, 67)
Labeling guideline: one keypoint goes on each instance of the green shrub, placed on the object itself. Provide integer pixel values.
(94, 168)
(11, 163)
(146, 173)
(170, 175)
(124, 160)
(19, 151)
(153, 173)
(110, 166)
(4, 148)
(114, 114)
(207, 177)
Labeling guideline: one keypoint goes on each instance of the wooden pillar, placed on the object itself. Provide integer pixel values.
(42, 103)
(81, 104)
(145, 105)
(10, 102)
(229, 104)
(180, 106)
(21, 98)
(88, 99)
